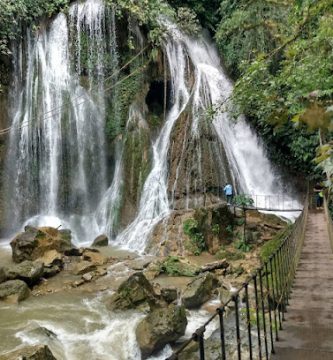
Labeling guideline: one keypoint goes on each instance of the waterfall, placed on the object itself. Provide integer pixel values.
(56, 163)
(250, 168)
(56, 160)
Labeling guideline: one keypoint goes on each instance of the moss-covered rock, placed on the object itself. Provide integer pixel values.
(27, 271)
(34, 242)
(135, 292)
(14, 291)
(199, 291)
(159, 328)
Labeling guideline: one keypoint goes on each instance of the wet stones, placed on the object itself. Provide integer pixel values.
(37, 352)
(27, 271)
(101, 240)
(199, 290)
(34, 242)
(160, 327)
(14, 291)
(135, 292)
(84, 267)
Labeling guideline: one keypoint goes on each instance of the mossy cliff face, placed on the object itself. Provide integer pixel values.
(137, 163)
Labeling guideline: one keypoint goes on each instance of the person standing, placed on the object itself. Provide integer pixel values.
(228, 192)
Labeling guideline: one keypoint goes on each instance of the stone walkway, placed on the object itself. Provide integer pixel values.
(308, 330)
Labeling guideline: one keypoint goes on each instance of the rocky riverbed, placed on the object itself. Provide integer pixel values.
(59, 301)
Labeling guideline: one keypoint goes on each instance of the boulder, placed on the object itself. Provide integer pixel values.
(27, 271)
(14, 291)
(84, 267)
(134, 292)
(37, 352)
(199, 290)
(101, 240)
(169, 294)
(34, 242)
(159, 328)
(2, 275)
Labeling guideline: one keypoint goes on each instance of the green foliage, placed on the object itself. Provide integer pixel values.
(13, 14)
(174, 267)
(192, 230)
(281, 53)
(206, 10)
(216, 229)
(243, 200)
(188, 21)
(147, 13)
(242, 245)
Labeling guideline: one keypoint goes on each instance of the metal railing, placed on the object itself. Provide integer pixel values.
(329, 221)
(250, 321)
(274, 202)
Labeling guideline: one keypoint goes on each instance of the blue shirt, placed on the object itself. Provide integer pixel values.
(228, 189)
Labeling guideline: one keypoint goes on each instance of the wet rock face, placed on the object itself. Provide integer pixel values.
(34, 242)
(168, 237)
(38, 352)
(199, 291)
(14, 291)
(27, 271)
(159, 328)
(135, 292)
(196, 163)
(101, 240)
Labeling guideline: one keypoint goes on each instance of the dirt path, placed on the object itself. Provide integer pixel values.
(308, 331)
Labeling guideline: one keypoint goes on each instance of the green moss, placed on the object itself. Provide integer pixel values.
(174, 267)
(229, 255)
(271, 246)
(197, 243)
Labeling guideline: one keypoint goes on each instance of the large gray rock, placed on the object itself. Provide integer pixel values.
(134, 292)
(159, 328)
(101, 240)
(37, 352)
(199, 290)
(28, 271)
(14, 291)
(34, 242)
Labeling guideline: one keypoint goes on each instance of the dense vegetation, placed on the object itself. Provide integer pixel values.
(280, 53)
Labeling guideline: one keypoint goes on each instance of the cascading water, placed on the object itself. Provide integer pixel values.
(250, 168)
(56, 160)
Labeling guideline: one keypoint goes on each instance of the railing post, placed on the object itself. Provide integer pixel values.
(220, 312)
(263, 312)
(274, 298)
(269, 308)
(199, 337)
(235, 298)
(248, 319)
(257, 315)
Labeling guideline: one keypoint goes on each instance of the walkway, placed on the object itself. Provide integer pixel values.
(308, 331)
